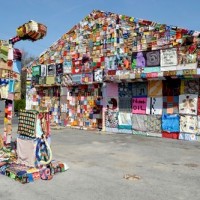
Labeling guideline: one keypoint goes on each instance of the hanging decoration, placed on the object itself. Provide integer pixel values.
(31, 30)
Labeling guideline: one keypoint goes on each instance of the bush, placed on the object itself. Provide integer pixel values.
(19, 104)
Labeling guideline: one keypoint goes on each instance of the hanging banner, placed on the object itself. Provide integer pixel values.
(168, 57)
(139, 105)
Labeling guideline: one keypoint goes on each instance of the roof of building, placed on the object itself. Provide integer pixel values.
(138, 34)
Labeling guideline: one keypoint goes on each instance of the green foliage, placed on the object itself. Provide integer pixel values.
(19, 104)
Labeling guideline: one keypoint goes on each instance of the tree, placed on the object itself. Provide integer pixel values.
(26, 60)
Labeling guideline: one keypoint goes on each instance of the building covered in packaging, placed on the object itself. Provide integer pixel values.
(120, 74)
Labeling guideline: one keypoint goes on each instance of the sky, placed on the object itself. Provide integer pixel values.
(61, 15)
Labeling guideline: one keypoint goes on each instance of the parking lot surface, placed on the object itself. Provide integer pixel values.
(114, 167)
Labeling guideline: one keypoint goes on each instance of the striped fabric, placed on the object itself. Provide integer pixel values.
(155, 88)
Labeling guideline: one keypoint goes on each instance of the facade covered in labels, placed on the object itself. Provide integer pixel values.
(121, 74)
(10, 83)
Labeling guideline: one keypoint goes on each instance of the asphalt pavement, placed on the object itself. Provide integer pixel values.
(155, 168)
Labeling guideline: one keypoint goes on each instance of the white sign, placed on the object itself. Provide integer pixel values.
(169, 57)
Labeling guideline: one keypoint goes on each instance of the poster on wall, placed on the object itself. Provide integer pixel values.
(123, 74)
(111, 90)
(66, 80)
(67, 66)
(153, 58)
(139, 105)
(51, 70)
(187, 57)
(59, 69)
(36, 70)
(153, 123)
(139, 89)
(188, 104)
(154, 105)
(86, 63)
(125, 90)
(43, 70)
(198, 108)
(151, 69)
(171, 122)
(87, 78)
(17, 66)
(111, 119)
(170, 104)
(139, 122)
(112, 103)
(138, 60)
(110, 63)
(98, 75)
(171, 87)
(188, 136)
(76, 78)
(155, 88)
(76, 67)
(190, 86)
(125, 104)
(124, 121)
(188, 124)
(168, 57)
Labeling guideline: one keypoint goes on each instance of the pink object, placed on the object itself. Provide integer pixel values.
(112, 90)
(139, 105)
